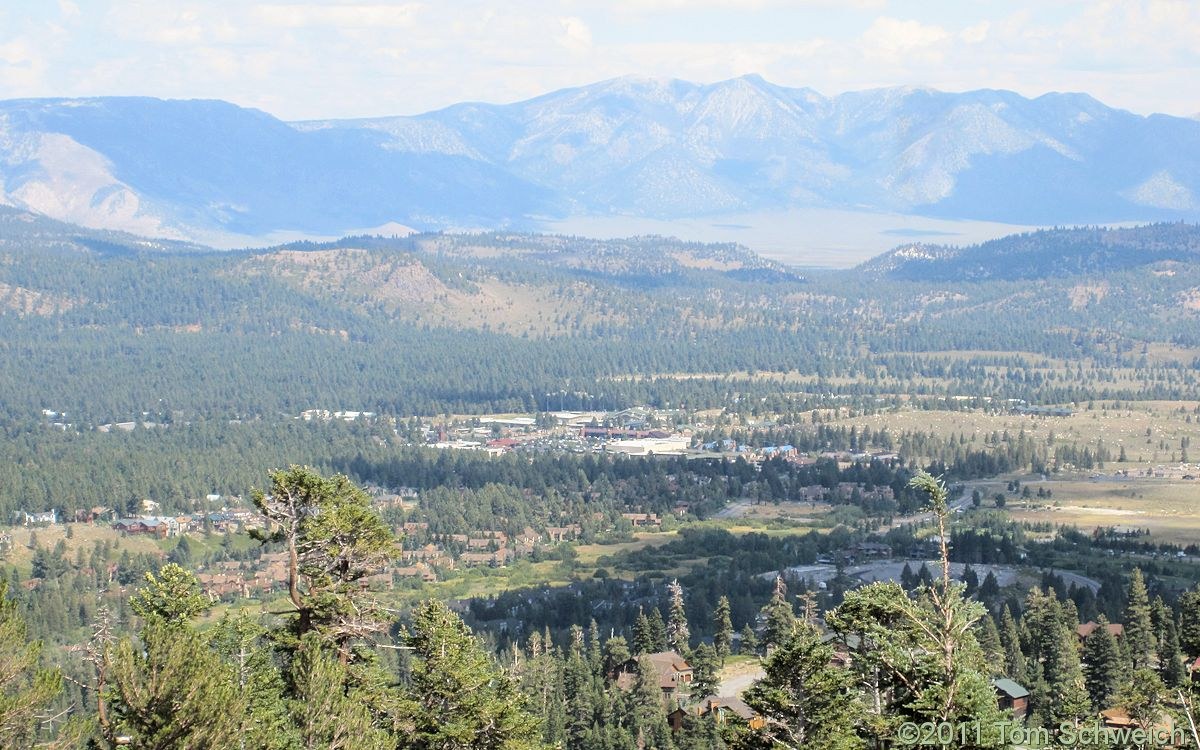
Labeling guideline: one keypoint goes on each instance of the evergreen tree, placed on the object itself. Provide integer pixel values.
(722, 630)
(332, 539)
(698, 733)
(648, 720)
(678, 635)
(172, 690)
(1144, 697)
(970, 580)
(1189, 623)
(778, 616)
(172, 597)
(458, 699)
(595, 653)
(577, 688)
(1162, 621)
(918, 659)
(1060, 689)
(1103, 665)
(1170, 660)
(25, 689)
(989, 589)
(330, 711)
(643, 637)
(542, 683)
(1010, 639)
(1139, 630)
(243, 645)
(616, 653)
(988, 636)
(705, 678)
(748, 642)
(807, 702)
(657, 631)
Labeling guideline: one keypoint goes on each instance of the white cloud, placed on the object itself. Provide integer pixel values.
(975, 34)
(308, 58)
(576, 35)
(378, 15)
(659, 6)
(892, 37)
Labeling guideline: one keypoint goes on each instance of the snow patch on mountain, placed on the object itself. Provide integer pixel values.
(1162, 190)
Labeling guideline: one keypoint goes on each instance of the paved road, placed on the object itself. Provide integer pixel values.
(733, 510)
(736, 684)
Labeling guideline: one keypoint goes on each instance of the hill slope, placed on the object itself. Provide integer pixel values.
(191, 168)
(1046, 254)
(436, 323)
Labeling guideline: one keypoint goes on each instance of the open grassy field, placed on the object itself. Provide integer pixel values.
(1169, 509)
(797, 512)
(589, 554)
(1150, 431)
(83, 537)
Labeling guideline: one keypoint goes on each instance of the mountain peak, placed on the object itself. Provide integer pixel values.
(634, 145)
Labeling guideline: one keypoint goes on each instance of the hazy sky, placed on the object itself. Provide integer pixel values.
(343, 59)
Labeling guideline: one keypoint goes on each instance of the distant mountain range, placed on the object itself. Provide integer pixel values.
(1047, 254)
(215, 172)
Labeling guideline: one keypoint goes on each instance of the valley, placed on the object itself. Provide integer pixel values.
(637, 375)
(556, 429)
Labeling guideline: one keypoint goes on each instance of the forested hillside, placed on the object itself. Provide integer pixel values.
(148, 663)
(468, 323)
(1047, 254)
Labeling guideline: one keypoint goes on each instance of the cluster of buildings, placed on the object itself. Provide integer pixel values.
(634, 431)
(266, 575)
(224, 520)
(325, 415)
(483, 549)
(843, 492)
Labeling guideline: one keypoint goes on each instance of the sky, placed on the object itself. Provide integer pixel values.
(310, 60)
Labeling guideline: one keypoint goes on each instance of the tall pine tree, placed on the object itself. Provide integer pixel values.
(778, 616)
(1139, 629)
(806, 701)
(722, 630)
(1103, 665)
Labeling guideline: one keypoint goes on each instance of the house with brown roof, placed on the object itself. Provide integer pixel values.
(1118, 718)
(1084, 630)
(722, 710)
(218, 585)
(673, 671)
(420, 570)
(497, 558)
(872, 549)
(726, 709)
(564, 533)
(643, 520)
